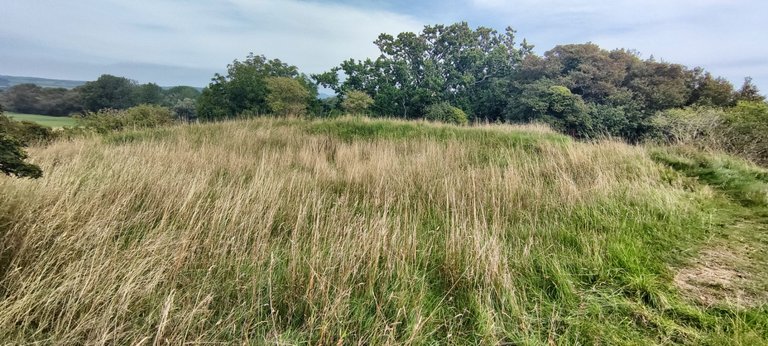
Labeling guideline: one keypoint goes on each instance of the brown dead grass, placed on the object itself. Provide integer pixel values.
(722, 275)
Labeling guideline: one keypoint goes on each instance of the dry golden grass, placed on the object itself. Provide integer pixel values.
(263, 231)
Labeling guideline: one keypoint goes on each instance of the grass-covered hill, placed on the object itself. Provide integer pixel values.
(357, 231)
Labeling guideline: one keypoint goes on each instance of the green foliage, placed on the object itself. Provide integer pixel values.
(173, 95)
(287, 96)
(30, 98)
(12, 158)
(13, 136)
(579, 89)
(356, 102)
(244, 88)
(747, 130)
(700, 126)
(108, 92)
(743, 182)
(710, 91)
(149, 93)
(109, 120)
(446, 113)
(185, 110)
(25, 132)
(749, 92)
(470, 68)
(556, 106)
(740, 130)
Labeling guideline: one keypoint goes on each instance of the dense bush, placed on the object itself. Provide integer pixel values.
(446, 113)
(747, 130)
(740, 130)
(109, 120)
(699, 126)
(25, 132)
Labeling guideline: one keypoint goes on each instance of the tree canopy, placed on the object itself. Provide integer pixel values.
(245, 88)
(12, 155)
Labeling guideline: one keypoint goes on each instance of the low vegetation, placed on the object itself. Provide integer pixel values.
(44, 120)
(359, 231)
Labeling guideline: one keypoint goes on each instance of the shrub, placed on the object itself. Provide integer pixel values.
(741, 130)
(747, 130)
(25, 132)
(700, 126)
(143, 116)
(446, 113)
(356, 102)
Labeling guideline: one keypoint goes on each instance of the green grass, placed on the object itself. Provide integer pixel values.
(45, 120)
(363, 231)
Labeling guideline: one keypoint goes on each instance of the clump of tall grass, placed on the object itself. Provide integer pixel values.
(342, 232)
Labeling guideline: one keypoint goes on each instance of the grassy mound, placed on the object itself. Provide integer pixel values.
(356, 231)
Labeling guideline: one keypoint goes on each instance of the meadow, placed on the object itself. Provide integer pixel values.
(377, 232)
(45, 120)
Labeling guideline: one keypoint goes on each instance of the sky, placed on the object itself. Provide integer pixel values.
(184, 42)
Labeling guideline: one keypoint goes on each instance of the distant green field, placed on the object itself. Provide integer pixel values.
(44, 120)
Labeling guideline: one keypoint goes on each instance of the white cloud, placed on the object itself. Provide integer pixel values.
(192, 35)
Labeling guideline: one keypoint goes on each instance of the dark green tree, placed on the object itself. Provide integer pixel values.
(470, 68)
(108, 92)
(178, 93)
(149, 93)
(12, 155)
(30, 98)
(749, 92)
(244, 88)
(544, 101)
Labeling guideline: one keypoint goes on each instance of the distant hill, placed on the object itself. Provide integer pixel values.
(9, 81)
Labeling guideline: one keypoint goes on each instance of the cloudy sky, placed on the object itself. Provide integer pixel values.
(173, 42)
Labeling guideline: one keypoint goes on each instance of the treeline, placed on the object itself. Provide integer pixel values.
(579, 89)
(107, 92)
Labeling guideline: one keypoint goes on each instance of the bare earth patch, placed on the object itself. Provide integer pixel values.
(729, 274)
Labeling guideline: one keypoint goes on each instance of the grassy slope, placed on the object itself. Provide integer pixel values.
(45, 120)
(359, 231)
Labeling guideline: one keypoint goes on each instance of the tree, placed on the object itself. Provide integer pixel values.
(749, 92)
(244, 88)
(185, 110)
(287, 96)
(149, 93)
(12, 155)
(470, 68)
(178, 93)
(108, 92)
(711, 91)
(356, 102)
(555, 105)
(30, 98)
